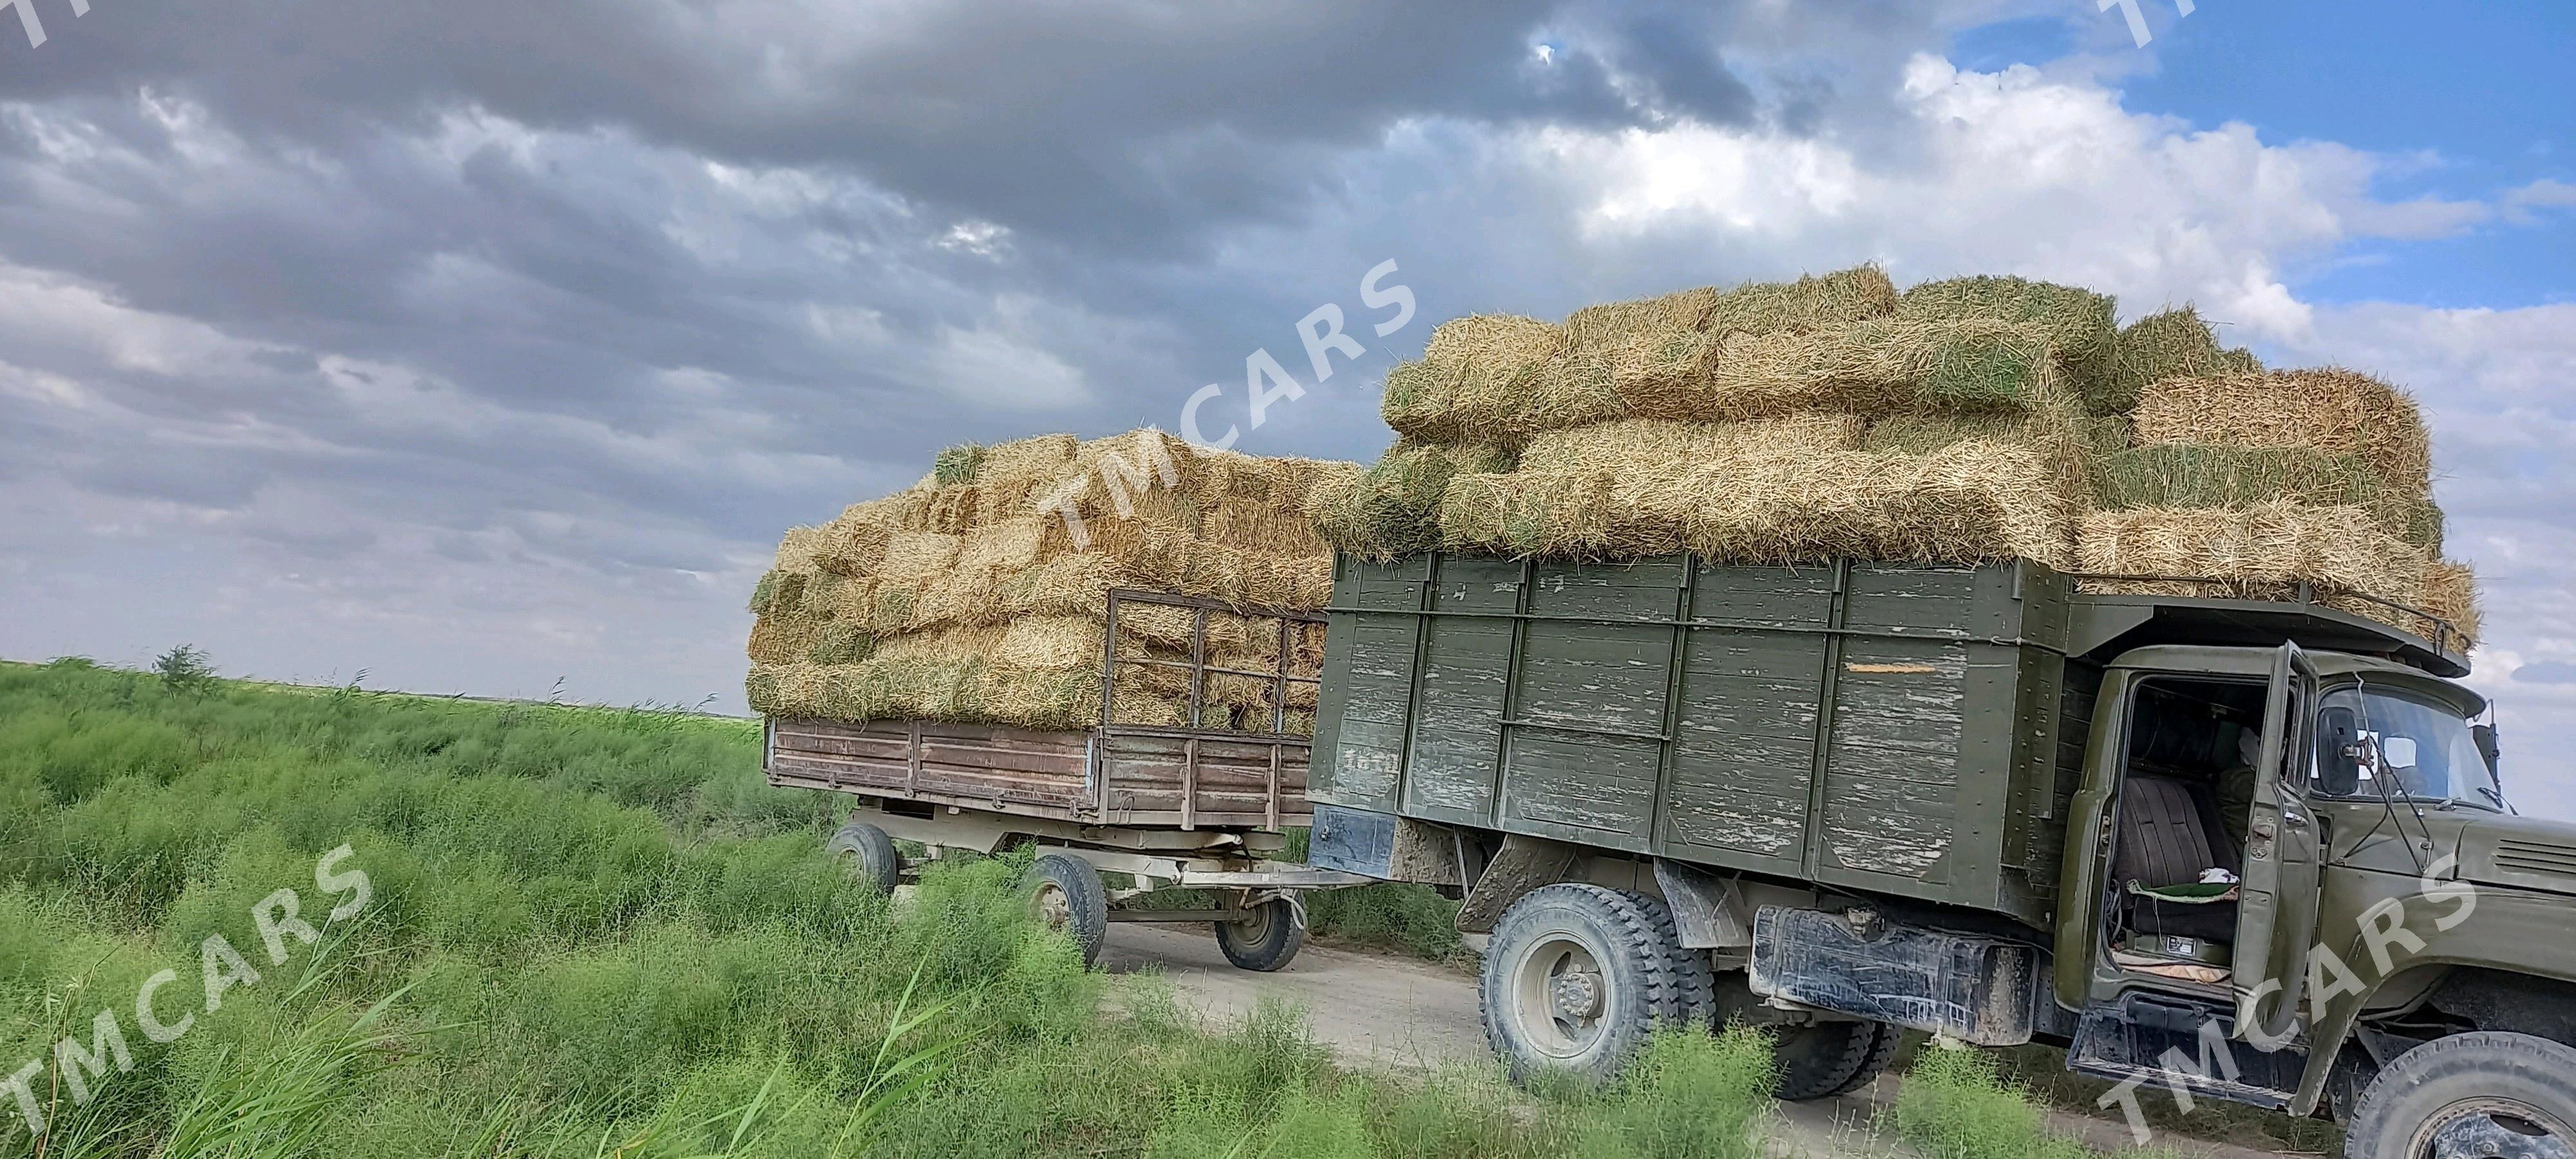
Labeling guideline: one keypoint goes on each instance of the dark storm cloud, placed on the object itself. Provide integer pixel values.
(1130, 125)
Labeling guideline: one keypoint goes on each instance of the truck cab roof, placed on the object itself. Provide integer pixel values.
(2102, 627)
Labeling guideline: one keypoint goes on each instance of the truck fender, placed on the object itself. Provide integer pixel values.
(1522, 865)
(1708, 911)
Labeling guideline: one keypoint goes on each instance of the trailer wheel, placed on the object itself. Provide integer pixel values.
(868, 854)
(1822, 1059)
(2483, 1093)
(1070, 898)
(1267, 940)
(1577, 976)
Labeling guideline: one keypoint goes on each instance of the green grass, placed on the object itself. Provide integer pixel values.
(596, 932)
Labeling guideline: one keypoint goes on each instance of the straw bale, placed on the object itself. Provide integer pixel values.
(2328, 409)
(1612, 323)
(2187, 475)
(1973, 501)
(1480, 376)
(1875, 367)
(2172, 343)
(1393, 508)
(1808, 303)
(800, 549)
(852, 547)
(1813, 302)
(2260, 551)
(2451, 592)
(2076, 321)
(1660, 447)
(964, 691)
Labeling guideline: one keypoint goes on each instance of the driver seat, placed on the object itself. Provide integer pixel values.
(2168, 835)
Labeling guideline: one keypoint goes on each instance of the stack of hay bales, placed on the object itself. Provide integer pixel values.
(2270, 480)
(1769, 423)
(1963, 421)
(970, 597)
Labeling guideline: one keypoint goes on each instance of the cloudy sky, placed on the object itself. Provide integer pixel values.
(480, 345)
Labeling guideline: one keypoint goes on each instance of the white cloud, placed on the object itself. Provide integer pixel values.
(2019, 171)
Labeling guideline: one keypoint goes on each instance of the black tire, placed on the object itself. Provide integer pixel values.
(1822, 1059)
(868, 854)
(1268, 940)
(2454, 1085)
(1577, 977)
(1070, 898)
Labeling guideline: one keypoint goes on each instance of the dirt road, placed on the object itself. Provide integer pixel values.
(1375, 1010)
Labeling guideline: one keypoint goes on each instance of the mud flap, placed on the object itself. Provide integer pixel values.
(2182, 1047)
(1974, 989)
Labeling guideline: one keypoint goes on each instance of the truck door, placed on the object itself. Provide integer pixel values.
(2277, 918)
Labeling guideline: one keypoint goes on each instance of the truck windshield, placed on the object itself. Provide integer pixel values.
(2424, 750)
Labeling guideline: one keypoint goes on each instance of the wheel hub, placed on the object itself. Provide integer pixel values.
(1577, 995)
(2497, 1129)
(1054, 908)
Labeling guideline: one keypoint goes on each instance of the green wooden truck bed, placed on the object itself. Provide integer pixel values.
(1889, 728)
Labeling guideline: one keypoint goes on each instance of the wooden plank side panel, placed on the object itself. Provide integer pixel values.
(1581, 788)
(1776, 597)
(1744, 748)
(1597, 676)
(1376, 699)
(1583, 756)
(1145, 774)
(1458, 730)
(1892, 775)
(1006, 767)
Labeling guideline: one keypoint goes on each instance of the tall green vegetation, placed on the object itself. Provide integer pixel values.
(594, 933)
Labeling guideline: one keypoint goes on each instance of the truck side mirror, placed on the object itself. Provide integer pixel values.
(2485, 736)
(2339, 751)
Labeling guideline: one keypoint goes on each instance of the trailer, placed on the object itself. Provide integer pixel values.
(1193, 806)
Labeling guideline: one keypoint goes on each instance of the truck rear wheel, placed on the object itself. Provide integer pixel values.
(1577, 976)
(1071, 898)
(2484, 1093)
(1822, 1059)
(868, 854)
(1268, 939)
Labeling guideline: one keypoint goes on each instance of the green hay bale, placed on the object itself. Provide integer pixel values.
(1392, 508)
(2168, 344)
(763, 592)
(841, 644)
(957, 464)
(1812, 302)
(1970, 502)
(2183, 475)
(1478, 378)
(2078, 322)
(1883, 366)
(1816, 300)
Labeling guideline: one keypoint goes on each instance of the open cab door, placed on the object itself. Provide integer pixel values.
(2276, 919)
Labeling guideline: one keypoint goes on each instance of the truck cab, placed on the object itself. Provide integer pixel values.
(2295, 880)
(2214, 847)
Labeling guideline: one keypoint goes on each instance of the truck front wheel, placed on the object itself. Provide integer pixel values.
(1822, 1059)
(2483, 1093)
(1578, 976)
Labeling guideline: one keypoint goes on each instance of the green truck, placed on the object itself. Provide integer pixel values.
(2252, 850)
